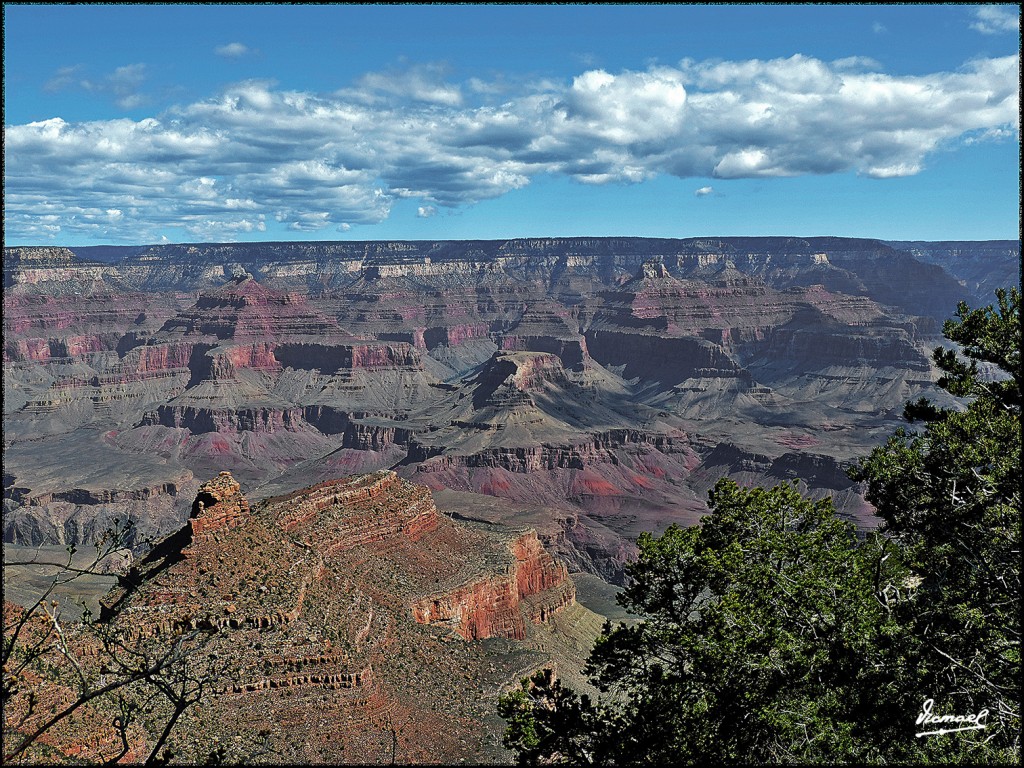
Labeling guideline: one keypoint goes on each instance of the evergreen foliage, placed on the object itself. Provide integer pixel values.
(950, 497)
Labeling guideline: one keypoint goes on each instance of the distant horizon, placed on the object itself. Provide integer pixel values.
(504, 239)
(473, 122)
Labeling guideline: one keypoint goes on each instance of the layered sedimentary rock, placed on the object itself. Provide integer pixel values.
(560, 395)
(547, 326)
(83, 515)
(981, 267)
(493, 367)
(198, 420)
(219, 507)
(41, 328)
(243, 309)
(491, 606)
(378, 506)
(59, 267)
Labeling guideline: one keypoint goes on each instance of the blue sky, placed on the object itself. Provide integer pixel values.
(186, 123)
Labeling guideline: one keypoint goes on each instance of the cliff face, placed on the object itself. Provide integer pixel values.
(79, 516)
(30, 266)
(201, 420)
(981, 267)
(374, 437)
(659, 358)
(599, 449)
(243, 309)
(40, 326)
(493, 605)
(839, 263)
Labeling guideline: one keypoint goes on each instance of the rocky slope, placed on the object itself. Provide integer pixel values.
(980, 267)
(353, 603)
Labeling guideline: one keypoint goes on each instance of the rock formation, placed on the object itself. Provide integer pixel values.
(560, 395)
(219, 507)
(493, 605)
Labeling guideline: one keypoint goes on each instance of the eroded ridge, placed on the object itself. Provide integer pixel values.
(231, 572)
(342, 514)
(533, 587)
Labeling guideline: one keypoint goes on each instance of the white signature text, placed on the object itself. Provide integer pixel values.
(976, 722)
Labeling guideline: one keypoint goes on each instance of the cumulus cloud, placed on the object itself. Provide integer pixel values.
(232, 50)
(703, 191)
(255, 153)
(624, 109)
(996, 19)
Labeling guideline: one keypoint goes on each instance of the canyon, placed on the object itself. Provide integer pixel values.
(370, 485)
(597, 385)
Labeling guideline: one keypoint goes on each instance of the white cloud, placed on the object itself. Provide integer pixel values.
(745, 163)
(856, 63)
(204, 228)
(307, 221)
(996, 19)
(256, 152)
(703, 191)
(232, 50)
(420, 83)
(62, 78)
(626, 108)
(122, 85)
(895, 170)
(426, 211)
(990, 134)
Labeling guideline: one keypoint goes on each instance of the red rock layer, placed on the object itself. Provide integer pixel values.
(40, 327)
(245, 309)
(343, 514)
(491, 606)
(219, 506)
